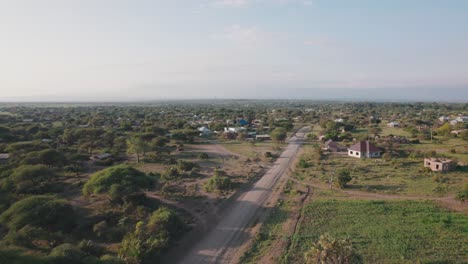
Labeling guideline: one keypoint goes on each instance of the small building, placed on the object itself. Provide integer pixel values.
(443, 119)
(364, 149)
(339, 120)
(332, 146)
(4, 157)
(262, 137)
(243, 122)
(204, 131)
(462, 119)
(458, 132)
(436, 164)
(393, 124)
(100, 157)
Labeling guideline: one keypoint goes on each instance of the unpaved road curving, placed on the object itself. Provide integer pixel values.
(224, 240)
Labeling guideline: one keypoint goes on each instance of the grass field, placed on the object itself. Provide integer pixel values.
(386, 231)
(402, 176)
(250, 149)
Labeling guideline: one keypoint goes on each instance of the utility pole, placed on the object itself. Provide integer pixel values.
(331, 179)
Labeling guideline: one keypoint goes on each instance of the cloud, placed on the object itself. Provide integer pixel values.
(308, 2)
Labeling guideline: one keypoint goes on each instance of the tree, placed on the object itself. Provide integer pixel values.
(278, 134)
(43, 211)
(218, 183)
(49, 157)
(137, 146)
(31, 178)
(328, 250)
(151, 238)
(159, 142)
(89, 137)
(343, 177)
(77, 162)
(444, 130)
(118, 182)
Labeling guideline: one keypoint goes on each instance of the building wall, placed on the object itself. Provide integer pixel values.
(353, 153)
(438, 166)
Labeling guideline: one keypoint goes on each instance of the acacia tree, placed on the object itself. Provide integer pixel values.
(136, 145)
(278, 134)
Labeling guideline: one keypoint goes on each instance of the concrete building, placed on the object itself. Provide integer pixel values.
(436, 164)
(364, 149)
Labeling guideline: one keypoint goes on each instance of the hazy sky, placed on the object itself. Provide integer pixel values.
(155, 49)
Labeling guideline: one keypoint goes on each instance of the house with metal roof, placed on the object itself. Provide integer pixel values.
(364, 149)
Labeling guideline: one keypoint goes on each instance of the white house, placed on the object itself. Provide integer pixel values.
(393, 124)
(443, 119)
(364, 149)
(204, 131)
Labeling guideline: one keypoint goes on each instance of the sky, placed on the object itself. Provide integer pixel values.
(126, 50)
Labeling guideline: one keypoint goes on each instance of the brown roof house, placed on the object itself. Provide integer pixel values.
(332, 146)
(442, 165)
(364, 149)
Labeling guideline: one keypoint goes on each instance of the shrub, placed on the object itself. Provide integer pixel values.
(171, 173)
(43, 211)
(32, 178)
(165, 222)
(183, 165)
(70, 254)
(28, 235)
(343, 177)
(90, 248)
(462, 196)
(117, 181)
(109, 259)
(218, 183)
(203, 156)
(331, 250)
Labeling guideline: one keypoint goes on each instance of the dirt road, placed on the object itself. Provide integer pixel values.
(224, 240)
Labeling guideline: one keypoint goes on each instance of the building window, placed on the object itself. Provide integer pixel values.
(437, 166)
(350, 152)
(357, 153)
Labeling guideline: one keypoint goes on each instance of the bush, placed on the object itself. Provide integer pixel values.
(90, 248)
(32, 179)
(43, 211)
(29, 235)
(203, 156)
(165, 222)
(117, 181)
(462, 196)
(70, 254)
(171, 173)
(183, 165)
(218, 183)
(344, 177)
(109, 259)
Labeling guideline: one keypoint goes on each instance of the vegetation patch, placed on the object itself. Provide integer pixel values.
(385, 231)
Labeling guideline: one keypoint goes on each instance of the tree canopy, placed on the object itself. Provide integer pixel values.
(43, 211)
(120, 180)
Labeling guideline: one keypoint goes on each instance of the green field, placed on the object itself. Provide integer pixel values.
(386, 231)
